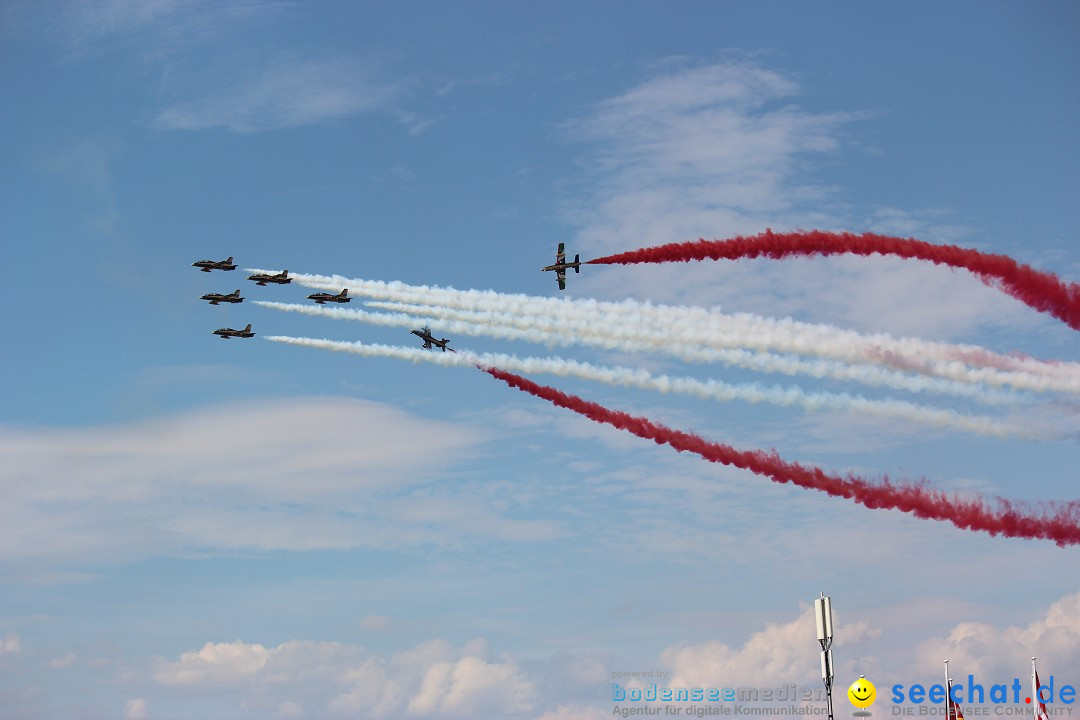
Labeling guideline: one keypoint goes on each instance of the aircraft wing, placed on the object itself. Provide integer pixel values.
(561, 276)
(560, 255)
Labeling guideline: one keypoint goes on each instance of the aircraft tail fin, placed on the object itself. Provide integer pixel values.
(229, 261)
(248, 328)
(577, 263)
(344, 293)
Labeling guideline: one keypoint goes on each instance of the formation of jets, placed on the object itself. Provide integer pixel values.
(430, 342)
(561, 266)
(282, 278)
(217, 298)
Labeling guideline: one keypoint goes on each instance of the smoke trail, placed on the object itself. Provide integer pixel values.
(399, 352)
(1057, 522)
(1042, 291)
(615, 333)
(384, 319)
(397, 320)
(705, 389)
(746, 331)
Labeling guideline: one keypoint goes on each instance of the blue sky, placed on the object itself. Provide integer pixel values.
(246, 529)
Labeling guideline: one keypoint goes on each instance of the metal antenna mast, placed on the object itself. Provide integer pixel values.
(823, 616)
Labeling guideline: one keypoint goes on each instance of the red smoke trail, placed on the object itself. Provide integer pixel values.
(1041, 290)
(1060, 523)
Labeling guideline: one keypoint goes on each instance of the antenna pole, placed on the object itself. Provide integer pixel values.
(823, 618)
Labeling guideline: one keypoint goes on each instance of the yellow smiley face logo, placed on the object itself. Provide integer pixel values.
(862, 693)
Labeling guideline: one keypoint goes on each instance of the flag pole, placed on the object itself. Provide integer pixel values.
(1034, 692)
(948, 694)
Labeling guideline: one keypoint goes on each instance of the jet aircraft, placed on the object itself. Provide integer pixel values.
(215, 298)
(429, 340)
(561, 266)
(321, 298)
(282, 278)
(208, 265)
(226, 333)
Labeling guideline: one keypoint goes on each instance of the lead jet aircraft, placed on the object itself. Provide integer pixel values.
(424, 334)
(226, 333)
(328, 297)
(561, 266)
(215, 298)
(282, 278)
(208, 265)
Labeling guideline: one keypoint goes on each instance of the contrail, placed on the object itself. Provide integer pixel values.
(395, 320)
(399, 352)
(751, 331)
(627, 337)
(1053, 521)
(614, 333)
(663, 327)
(706, 389)
(1040, 290)
(384, 319)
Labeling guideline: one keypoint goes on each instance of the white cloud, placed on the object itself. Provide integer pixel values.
(431, 680)
(215, 662)
(696, 152)
(285, 474)
(158, 29)
(336, 443)
(10, 644)
(286, 92)
(63, 661)
(370, 689)
(212, 71)
(475, 687)
(720, 150)
(437, 679)
(781, 650)
(986, 651)
(135, 709)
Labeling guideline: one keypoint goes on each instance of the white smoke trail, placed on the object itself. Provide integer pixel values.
(383, 319)
(707, 389)
(612, 334)
(617, 334)
(750, 331)
(395, 320)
